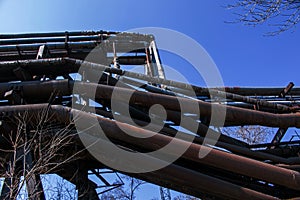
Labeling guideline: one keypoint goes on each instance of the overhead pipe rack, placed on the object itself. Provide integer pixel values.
(37, 76)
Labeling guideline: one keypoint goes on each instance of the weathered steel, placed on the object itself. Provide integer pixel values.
(263, 145)
(233, 169)
(89, 45)
(65, 62)
(198, 184)
(227, 143)
(287, 89)
(234, 116)
(259, 91)
(215, 158)
(256, 102)
(278, 136)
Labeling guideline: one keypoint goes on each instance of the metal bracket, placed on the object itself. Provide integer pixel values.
(43, 52)
(286, 90)
(15, 96)
(106, 185)
(278, 136)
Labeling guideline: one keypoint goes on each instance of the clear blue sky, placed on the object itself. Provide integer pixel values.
(243, 55)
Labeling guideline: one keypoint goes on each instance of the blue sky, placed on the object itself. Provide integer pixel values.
(243, 55)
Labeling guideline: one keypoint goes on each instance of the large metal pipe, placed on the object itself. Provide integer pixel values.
(52, 40)
(64, 87)
(216, 158)
(51, 46)
(122, 46)
(6, 41)
(246, 91)
(202, 131)
(196, 183)
(258, 155)
(40, 89)
(122, 60)
(253, 146)
(225, 142)
(234, 116)
(257, 102)
(65, 62)
(56, 34)
(260, 91)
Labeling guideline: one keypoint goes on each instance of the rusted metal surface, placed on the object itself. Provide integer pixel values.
(50, 65)
(287, 89)
(235, 116)
(215, 158)
(253, 101)
(32, 64)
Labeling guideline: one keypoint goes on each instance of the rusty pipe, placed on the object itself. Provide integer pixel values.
(216, 158)
(197, 183)
(235, 148)
(234, 115)
(250, 100)
(63, 63)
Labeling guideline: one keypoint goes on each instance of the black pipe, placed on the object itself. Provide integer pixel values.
(56, 34)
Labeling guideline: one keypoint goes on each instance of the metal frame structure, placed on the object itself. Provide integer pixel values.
(36, 76)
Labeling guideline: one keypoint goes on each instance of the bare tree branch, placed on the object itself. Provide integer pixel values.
(282, 14)
(36, 147)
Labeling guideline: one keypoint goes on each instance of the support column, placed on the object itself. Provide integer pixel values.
(86, 188)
